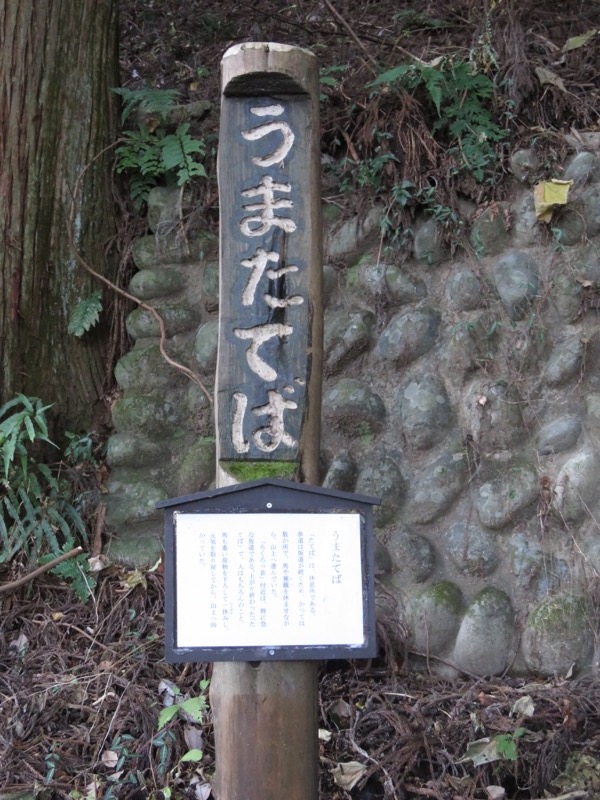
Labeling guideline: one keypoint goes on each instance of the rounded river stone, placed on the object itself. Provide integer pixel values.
(517, 282)
(425, 410)
(412, 555)
(341, 474)
(206, 345)
(485, 640)
(581, 168)
(576, 487)
(149, 283)
(535, 571)
(408, 335)
(131, 499)
(435, 617)
(354, 409)
(559, 435)
(489, 232)
(428, 245)
(464, 290)
(145, 369)
(524, 164)
(471, 549)
(557, 635)
(130, 450)
(196, 470)
(565, 360)
(491, 413)
(154, 251)
(155, 417)
(380, 476)
(591, 210)
(499, 501)
(347, 334)
(402, 287)
(177, 318)
(437, 487)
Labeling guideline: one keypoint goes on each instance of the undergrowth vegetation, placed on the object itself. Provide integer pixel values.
(40, 508)
(151, 151)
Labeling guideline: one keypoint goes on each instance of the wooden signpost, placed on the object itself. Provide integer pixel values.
(264, 575)
(268, 394)
(270, 337)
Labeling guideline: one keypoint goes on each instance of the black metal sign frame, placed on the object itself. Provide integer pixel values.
(279, 498)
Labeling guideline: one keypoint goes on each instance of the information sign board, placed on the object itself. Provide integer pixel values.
(264, 583)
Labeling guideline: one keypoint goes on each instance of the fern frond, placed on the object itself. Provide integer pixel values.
(85, 315)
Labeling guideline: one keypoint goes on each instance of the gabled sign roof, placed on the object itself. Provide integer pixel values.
(275, 483)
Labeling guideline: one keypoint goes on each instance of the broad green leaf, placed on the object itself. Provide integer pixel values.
(579, 41)
(166, 715)
(192, 755)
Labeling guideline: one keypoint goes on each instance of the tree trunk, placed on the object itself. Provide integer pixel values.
(58, 62)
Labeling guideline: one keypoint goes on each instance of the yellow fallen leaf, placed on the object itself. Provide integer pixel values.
(578, 41)
(57, 616)
(549, 195)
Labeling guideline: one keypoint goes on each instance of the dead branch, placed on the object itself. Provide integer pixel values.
(8, 587)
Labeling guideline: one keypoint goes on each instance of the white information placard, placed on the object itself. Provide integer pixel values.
(275, 579)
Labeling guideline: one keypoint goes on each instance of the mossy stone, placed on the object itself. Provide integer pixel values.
(424, 409)
(437, 487)
(499, 501)
(206, 346)
(141, 323)
(173, 248)
(435, 617)
(354, 409)
(132, 498)
(516, 277)
(557, 635)
(408, 335)
(485, 644)
(490, 231)
(196, 470)
(347, 334)
(138, 544)
(131, 450)
(149, 283)
(144, 369)
(429, 247)
(413, 557)
(155, 417)
(381, 477)
(341, 474)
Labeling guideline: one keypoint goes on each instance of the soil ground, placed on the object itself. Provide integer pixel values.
(82, 684)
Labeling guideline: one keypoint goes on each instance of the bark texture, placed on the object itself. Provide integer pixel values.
(58, 62)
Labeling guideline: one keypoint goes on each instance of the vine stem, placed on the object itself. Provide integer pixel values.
(189, 373)
(8, 587)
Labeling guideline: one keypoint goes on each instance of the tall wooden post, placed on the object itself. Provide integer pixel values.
(268, 380)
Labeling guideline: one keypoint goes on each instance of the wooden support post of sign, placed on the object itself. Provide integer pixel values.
(268, 380)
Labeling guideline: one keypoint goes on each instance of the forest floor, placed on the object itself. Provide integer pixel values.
(82, 685)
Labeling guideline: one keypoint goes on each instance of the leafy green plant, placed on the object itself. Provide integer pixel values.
(38, 514)
(85, 314)
(193, 708)
(150, 152)
(462, 99)
(329, 77)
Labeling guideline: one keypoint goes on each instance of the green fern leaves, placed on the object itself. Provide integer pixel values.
(38, 515)
(85, 314)
(150, 153)
(462, 98)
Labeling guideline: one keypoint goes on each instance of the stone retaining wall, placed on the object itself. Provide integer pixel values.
(463, 390)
